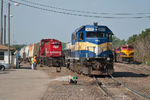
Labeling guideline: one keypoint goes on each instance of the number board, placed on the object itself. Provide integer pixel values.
(101, 29)
(89, 29)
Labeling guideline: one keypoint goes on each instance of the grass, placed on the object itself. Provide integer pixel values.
(148, 62)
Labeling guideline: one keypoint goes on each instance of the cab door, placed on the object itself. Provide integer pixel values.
(81, 44)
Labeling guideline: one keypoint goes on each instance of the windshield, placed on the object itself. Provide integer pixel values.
(124, 47)
(90, 34)
(100, 34)
(95, 34)
(43, 42)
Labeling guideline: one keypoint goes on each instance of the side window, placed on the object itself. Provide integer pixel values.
(108, 37)
(73, 37)
(76, 37)
(42, 43)
(1, 55)
(81, 36)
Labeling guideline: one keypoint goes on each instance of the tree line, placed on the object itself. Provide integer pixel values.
(141, 43)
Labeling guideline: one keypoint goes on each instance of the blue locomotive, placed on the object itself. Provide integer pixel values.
(91, 50)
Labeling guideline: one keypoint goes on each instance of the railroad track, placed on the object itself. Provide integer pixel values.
(119, 84)
(138, 69)
(99, 84)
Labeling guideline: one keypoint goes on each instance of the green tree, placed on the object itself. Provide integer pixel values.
(132, 39)
(118, 42)
(63, 45)
(17, 46)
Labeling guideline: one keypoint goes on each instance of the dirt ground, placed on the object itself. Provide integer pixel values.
(134, 76)
(61, 89)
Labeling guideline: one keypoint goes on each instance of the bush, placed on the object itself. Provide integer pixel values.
(148, 62)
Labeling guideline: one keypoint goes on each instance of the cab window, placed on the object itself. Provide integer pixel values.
(72, 36)
(76, 37)
(90, 34)
(108, 35)
(100, 34)
(124, 47)
(42, 43)
(81, 36)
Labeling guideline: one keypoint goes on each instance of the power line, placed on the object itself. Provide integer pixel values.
(88, 12)
(74, 14)
(45, 9)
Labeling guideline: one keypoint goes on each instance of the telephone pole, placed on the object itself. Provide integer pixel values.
(8, 33)
(1, 35)
(4, 29)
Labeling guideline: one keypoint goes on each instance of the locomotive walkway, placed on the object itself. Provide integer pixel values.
(22, 84)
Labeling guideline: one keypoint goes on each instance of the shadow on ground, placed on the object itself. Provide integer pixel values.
(129, 74)
(24, 67)
(4, 72)
(122, 74)
(133, 62)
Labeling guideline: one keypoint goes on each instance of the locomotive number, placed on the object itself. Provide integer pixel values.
(101, 29)
(89, 29)
(56, 46)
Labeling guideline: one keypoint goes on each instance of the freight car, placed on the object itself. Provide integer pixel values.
(67, 54)
(91, 50)
(27, 52)
(125, 53)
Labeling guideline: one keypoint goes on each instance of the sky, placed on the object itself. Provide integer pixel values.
(30, 25)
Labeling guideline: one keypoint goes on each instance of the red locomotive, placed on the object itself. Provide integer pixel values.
(51, 52)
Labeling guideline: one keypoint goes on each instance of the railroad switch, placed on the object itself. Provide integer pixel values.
(74, 80)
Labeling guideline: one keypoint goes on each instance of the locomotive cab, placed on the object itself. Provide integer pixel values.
(127, 53)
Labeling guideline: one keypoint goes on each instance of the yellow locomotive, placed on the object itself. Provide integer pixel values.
(125, 53)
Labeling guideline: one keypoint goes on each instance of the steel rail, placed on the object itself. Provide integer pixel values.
(132, 90)
(99, 84)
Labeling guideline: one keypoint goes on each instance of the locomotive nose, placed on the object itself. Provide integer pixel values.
(98, 50)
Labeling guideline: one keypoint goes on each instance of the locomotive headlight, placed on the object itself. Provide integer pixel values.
(108, 58)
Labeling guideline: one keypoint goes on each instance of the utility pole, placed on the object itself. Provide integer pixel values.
(4, 29)
(8, 33)
(1, 35)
